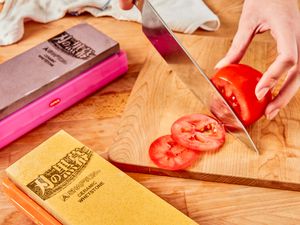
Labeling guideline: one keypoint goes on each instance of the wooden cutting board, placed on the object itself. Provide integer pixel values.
(159, 98)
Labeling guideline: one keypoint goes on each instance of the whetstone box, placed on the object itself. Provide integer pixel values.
(46, 66)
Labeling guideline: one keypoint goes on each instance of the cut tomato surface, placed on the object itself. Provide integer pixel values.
(221, 111)
(168, 154)
(237, 82)
(198, 132)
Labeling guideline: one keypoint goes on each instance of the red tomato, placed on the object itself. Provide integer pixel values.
(237, 83)
(168, 154)
(198, 132)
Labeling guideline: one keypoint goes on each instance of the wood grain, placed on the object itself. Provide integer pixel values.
(96, 124)
(209, 204)
(159, 98)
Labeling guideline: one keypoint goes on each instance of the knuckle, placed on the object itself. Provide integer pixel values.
(289, 60)
(246, 26)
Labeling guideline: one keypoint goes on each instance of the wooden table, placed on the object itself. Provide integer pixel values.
(94, 121)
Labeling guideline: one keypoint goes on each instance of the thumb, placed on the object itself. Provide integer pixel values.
(239, 45)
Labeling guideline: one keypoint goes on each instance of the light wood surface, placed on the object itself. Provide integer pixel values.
(95, 121)
(159, 98)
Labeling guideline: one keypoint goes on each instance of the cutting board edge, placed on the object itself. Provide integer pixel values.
(219, 178)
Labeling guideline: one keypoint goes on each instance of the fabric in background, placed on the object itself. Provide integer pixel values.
(181, 15)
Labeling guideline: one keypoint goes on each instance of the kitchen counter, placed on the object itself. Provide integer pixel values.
(95, 120)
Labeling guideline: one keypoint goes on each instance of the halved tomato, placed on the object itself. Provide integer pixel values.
(237, 82)
(168, 154)
(198, 132)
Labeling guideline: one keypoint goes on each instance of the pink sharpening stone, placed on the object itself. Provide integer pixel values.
(32, 115)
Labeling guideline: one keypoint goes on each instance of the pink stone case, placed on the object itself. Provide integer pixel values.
(32, 115)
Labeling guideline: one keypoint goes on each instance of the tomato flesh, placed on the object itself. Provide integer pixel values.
(198, 132)
(237, 82)
(168, 154)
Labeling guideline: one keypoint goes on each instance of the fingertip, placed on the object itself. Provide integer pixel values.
(260, 93)
(126, 4)
(222, 63)
(273, 109)
(264, 85)
(272, 114)
(269, 109)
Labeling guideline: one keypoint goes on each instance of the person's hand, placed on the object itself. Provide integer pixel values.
(282, 18)
(126, 4)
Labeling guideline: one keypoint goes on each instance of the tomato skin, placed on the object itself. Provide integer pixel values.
(237, 82)
(167, 154)
(198, 132)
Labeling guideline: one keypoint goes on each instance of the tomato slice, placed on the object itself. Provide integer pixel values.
(237, 82)
(198, 132)
(168, 154)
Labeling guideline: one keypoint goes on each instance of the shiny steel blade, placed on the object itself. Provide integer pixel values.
(187, 69)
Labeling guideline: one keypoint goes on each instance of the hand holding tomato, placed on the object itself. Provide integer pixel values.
(237, 82)
(282, 18)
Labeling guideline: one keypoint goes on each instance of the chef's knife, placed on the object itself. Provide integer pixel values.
(187, 69)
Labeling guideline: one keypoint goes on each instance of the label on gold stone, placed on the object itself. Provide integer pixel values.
(61, 174)
(83, 189)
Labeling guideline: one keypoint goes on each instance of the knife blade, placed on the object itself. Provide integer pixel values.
(187, 69)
